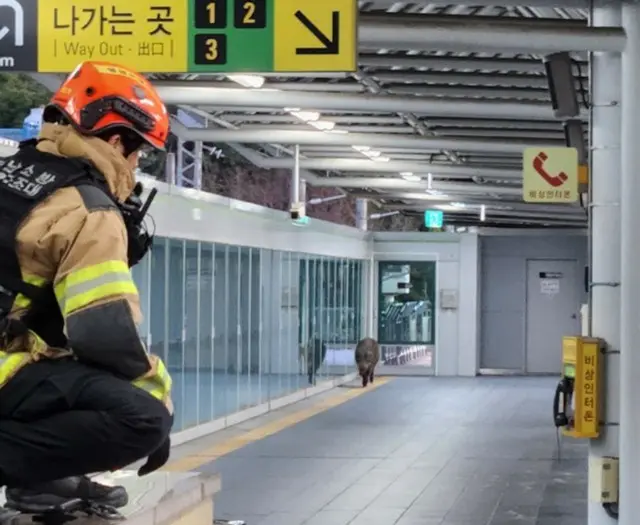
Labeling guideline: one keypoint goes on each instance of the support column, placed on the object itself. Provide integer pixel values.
(605, 173)
(189, 164)
(362, 214)
(198, 159)
(170, 169)
(302, 191)
(295, 176)
(630, 290)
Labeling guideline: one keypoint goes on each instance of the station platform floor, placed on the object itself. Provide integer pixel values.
(427, 451)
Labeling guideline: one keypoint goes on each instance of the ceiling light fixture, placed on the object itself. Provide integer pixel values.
(322, 125)
(408, 176)
(248, 81)
(306, 116)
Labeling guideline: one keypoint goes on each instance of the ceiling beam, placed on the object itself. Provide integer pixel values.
(307, 138)
(303, 126)
(464, 123)
(418, 77)
(366, 165)
(474, 34)
(583, 4)
(179, 93)
(469, 92)
(347, 86)
(434, 63)
(474, 220)
(399, 184)
(490, 212)
(479, 199)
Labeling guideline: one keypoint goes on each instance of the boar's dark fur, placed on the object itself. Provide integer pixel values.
(367, 356)
(314, 353)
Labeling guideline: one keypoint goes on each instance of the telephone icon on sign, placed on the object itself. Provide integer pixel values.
(554, 180)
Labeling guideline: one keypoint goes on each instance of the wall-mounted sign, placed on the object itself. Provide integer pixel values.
(550, 175)
(549, 286)
(550, 275)
(18, 35)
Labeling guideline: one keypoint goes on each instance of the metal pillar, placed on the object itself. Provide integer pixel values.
(295, 176)
(362, 214)
(605, 239)
(324, 200)
(302, 191)
(189, 164)
(630, 290)
(170, 169)
(383, 215)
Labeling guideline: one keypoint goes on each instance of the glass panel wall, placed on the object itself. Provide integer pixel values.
(239, 326)
(406, 306)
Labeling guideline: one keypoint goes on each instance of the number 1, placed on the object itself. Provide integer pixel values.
(211, 8)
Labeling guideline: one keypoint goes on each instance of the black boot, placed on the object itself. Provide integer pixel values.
(42, 496)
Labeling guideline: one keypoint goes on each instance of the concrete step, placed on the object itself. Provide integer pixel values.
(161, 498)
(166, 498)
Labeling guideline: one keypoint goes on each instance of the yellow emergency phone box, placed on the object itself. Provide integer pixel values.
(577, 409)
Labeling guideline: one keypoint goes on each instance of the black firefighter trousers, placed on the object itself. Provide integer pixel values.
(63, 418)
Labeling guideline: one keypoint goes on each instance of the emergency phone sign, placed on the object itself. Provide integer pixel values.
(550, 175)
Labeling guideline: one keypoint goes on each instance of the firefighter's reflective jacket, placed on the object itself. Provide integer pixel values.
(65, 283)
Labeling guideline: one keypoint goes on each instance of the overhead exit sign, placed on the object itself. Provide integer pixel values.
(190, 36)
(273, 35)
(433, 218)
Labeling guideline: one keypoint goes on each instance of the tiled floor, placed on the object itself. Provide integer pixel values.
(202, 397)
(416, 451)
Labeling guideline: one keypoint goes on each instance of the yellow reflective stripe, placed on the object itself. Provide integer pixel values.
(22, 301)
(91, 272)
(10, 363)
(159, 386)
(93, 283)
(99, 292)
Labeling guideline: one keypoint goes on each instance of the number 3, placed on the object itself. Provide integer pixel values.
(212, 49)
(249, 12)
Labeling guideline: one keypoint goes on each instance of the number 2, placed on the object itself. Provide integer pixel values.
(249, 12)
(212, 49)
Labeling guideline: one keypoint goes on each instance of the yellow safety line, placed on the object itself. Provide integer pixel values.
(202, 457)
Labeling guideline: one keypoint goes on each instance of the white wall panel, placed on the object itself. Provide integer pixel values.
(191, 214)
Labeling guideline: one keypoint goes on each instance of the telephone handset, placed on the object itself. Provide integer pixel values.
(554, 180)
(562, 402)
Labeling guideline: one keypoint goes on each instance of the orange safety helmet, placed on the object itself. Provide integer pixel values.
(99, 96)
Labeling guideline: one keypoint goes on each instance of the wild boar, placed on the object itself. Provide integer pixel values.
(367, 356)
(312, 354)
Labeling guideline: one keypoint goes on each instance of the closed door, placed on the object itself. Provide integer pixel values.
(553, 298)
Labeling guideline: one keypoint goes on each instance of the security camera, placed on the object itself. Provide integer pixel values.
(297, 211)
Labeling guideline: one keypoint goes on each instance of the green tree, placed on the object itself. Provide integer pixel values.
(18, 94)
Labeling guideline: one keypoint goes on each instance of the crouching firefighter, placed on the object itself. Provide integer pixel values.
(78, 391)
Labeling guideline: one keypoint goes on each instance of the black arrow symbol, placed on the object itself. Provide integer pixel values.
(331, 45)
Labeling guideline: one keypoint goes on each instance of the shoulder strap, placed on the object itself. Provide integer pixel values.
(26, 179)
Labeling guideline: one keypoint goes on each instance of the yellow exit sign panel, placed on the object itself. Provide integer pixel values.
(315, 35)
(138, 34)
